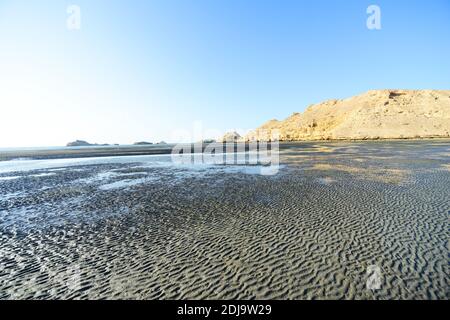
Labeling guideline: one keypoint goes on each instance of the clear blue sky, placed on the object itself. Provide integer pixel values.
(139, 70)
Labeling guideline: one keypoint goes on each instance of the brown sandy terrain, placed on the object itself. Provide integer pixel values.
(377, 114)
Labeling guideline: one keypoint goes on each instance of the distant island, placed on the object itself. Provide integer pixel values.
(142, 143)
(82, 143)
(377, 114)
(208, 141)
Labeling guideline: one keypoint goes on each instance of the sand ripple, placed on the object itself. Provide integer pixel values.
(309, 232)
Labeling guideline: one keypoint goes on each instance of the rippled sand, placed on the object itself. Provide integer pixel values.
(142, 228)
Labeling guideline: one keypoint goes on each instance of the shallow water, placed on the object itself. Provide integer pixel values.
(144, 227)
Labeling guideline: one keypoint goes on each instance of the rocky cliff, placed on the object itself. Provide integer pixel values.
(377, 114)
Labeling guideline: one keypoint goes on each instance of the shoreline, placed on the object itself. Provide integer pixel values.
(126, 150)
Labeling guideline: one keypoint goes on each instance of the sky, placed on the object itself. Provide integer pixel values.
(180, 70)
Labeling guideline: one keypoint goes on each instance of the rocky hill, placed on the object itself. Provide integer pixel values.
(230, 137)
(377, 114)
(79, 143)
(82, 143)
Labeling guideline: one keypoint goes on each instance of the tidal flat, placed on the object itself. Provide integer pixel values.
(142, 227)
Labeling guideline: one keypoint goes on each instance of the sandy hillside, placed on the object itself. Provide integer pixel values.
(377, 114)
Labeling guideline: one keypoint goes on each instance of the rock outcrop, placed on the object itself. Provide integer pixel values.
(82, 143)
(377, 114)
(79, 143)
(230, 137)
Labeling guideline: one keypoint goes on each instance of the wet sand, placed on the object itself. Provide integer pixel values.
(140, 227)
(83, 152)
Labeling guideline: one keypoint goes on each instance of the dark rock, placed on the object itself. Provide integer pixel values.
(79, 143)
(143, 143)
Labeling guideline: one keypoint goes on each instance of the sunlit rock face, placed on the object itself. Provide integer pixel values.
(377, 114)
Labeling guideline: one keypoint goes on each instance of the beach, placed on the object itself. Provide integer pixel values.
(132, 224)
